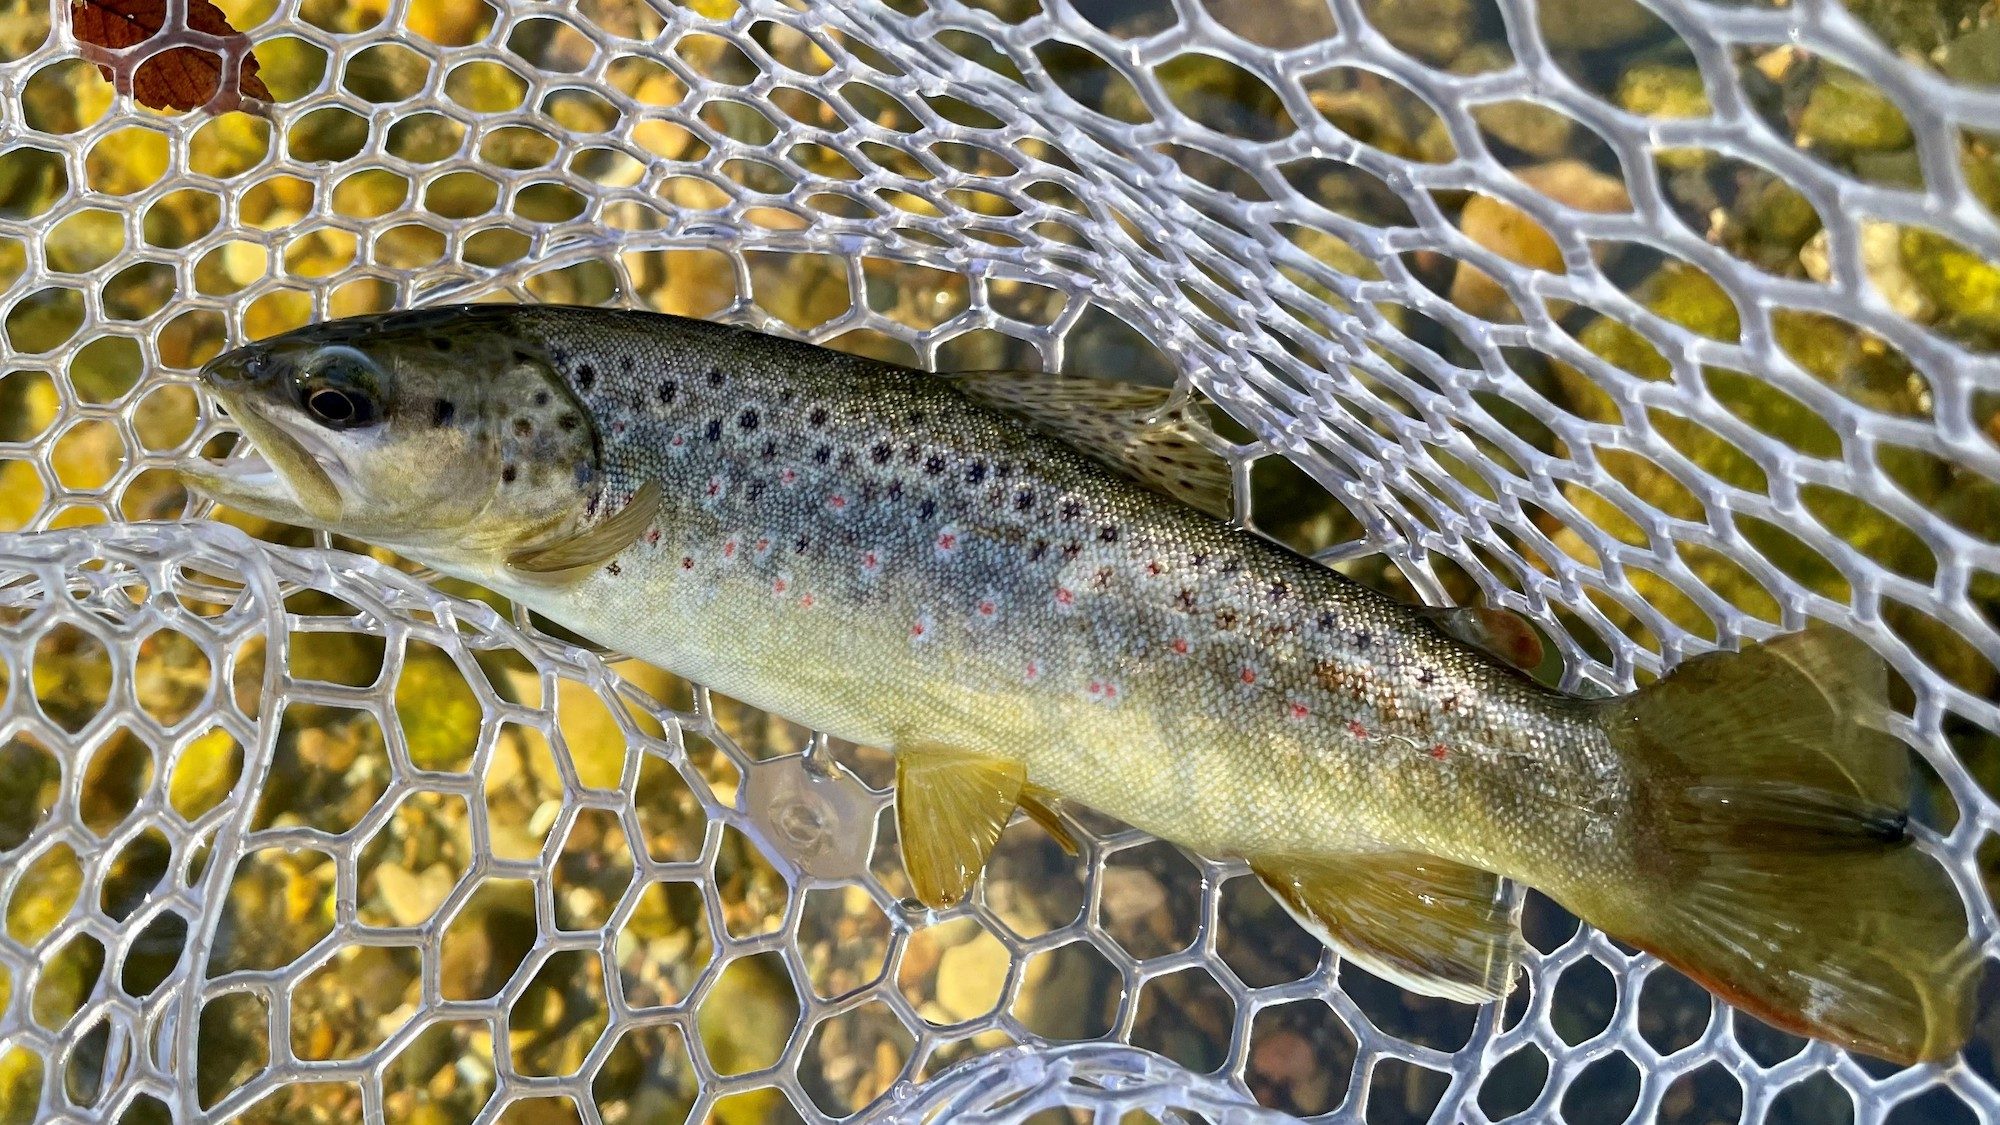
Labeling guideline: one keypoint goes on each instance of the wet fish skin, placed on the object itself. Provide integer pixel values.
(873, 552)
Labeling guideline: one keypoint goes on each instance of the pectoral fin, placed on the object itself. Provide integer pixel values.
(1125, 426)
(950, 808)
(1503, 634)
(1427, 924)
(572, 556)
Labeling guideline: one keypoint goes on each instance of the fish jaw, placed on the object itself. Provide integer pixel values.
(280, 479)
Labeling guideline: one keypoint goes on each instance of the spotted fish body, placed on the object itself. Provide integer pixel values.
(883, 554)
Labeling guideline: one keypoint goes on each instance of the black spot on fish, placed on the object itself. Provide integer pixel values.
(917, 418)
(1326, 622)
(1362, 640)
(1072, 549)
(441, 343)
(442, 411)
(800, 544)
(868, 492)
(1103, 577)
(934, 464)
(1231, 566)
(569, 421)
(911, 452)
(756, 489)
(770, 451)
(586, 377)
(713, 431)
(823, 454)
(1108, 533)
(747, 420)
(881, 453)
(786, 396)
(926, 509)
(1071, 509)
(715, 376)
(1004, 469)
(669, 390)
(1201, 558)
(626, 364)
(1426, 676)
(1279, 591)
(1036, 552)
(523, 427)
(508, 473)
(541, 398)
(846, 459)
(975, 472)
(818, 417)
(895, 490)
(1225, 618)
(612, 569)
(1185, 599)
(1023, 500)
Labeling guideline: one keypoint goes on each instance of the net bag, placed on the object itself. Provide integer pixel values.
(1666, 324)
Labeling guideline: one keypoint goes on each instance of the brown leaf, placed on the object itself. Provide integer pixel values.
(181, 76)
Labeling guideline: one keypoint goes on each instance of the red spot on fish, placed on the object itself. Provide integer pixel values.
(1064, 596)
(687, 562)
(779, 586)
(617, 427)
(920, 629)
(785, 477)
(805, 601)
(763, 546)
(988, 609)
(1355, 728)
(653, 537)
(1032, 672)
(715, 486)
(729, 549)
(947, 541)
(836, 501)
(871, 563)
(1179, 645)
(1298, 710)
(1248, 675)
(1439, 750)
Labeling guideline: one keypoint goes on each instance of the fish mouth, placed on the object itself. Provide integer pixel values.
(272, 474)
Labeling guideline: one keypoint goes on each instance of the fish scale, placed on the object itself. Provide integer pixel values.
(1014, 583)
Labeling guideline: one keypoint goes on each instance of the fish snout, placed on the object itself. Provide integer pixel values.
(243, 370)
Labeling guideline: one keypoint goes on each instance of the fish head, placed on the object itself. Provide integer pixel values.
(439, 431)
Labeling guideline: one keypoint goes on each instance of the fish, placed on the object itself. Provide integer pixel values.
(1029, 588)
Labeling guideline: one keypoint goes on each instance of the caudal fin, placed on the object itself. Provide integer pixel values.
(1776, 869)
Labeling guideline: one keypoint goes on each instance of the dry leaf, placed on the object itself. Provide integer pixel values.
(184, 76)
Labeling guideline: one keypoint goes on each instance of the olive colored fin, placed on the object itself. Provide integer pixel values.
(569, 558)
(1127, 427)
(1427, 924)
(1504, 634)
(950, 809)
(1041, 805)
(1777, 869)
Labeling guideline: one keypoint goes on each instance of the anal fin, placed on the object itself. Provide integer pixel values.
(950, 809)
(570, 557)
(1428, 924)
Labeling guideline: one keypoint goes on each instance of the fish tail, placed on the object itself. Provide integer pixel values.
(1773, 862)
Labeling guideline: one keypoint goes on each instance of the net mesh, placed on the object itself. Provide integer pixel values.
(1665, 324)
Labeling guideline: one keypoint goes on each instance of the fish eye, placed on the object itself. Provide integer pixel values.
(339, 408)
(339, 389)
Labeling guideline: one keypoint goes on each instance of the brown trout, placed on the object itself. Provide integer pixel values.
(1025, 586)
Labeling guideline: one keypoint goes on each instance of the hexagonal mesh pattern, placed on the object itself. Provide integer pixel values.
(1665, 324)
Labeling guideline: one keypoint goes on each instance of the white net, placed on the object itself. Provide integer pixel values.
(1664, 324)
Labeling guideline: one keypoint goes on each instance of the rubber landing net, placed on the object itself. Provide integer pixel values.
(1665, 324)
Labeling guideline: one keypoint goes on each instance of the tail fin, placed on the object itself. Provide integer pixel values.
(1776, 869)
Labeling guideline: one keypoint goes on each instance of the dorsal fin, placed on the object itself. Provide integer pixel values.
(1126, 427)
(570, 557)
